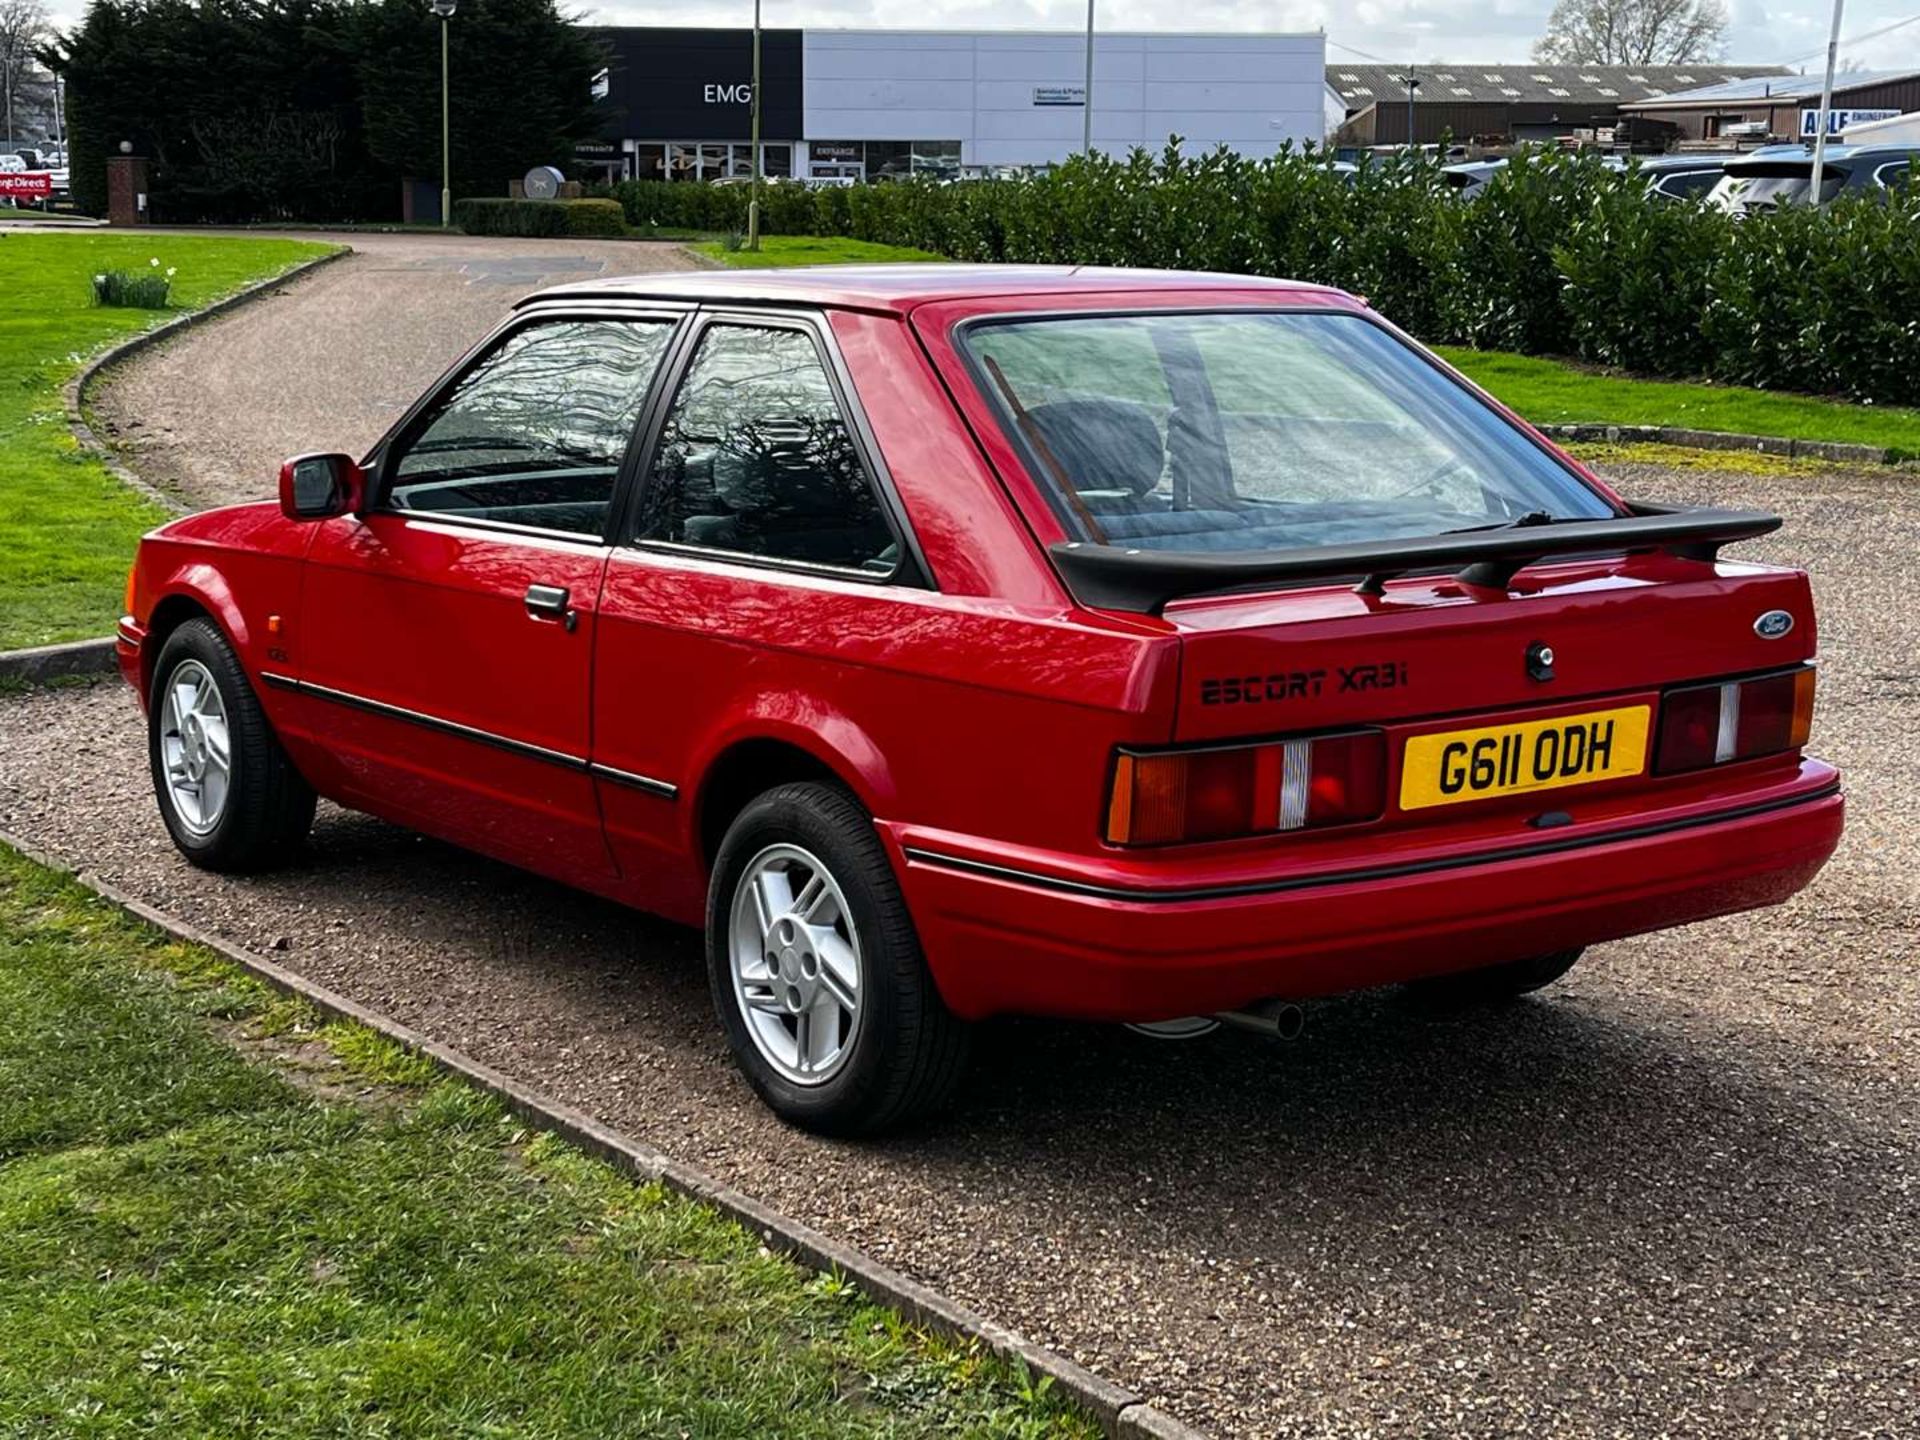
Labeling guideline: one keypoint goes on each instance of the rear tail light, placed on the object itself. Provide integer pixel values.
(1226, 792)
(1705, 725)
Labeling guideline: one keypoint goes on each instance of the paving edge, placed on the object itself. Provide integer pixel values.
(52, 662)
(76, 390)
(1122, 1414)
(1727, 440)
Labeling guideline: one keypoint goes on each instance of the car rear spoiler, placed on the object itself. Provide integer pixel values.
(1111, 577)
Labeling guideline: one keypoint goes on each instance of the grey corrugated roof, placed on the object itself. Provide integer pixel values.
(1789, 87)
(1363, 85)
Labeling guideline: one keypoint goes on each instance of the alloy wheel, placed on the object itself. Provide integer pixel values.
(196, 747)
(795, 960)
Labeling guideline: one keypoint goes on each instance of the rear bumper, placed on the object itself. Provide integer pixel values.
(1009, 939)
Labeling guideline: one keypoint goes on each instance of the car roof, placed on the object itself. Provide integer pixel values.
(1684, 162)
(900, 288)
(1835, 155)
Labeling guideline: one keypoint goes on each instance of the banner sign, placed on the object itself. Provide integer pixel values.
(1838, 120)
(27, 184)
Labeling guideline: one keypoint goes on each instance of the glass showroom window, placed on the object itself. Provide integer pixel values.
(938, 158)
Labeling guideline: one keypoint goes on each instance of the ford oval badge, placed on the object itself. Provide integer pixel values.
(1773, 624)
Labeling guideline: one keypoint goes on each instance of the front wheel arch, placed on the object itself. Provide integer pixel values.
(169, 615)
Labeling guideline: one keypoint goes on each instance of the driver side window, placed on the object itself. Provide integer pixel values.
(535, 433)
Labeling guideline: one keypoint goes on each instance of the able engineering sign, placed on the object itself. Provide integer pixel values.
(1838, 120)
(27, 184)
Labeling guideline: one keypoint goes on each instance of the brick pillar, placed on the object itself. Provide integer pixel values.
(127, 190)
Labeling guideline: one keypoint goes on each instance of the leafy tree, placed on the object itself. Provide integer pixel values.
(1633, 32)
(247, 109)
(520, 88)
(315, 109)
(23, 29)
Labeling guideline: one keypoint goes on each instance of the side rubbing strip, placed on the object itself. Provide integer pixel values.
(637, 782)
(471, 732)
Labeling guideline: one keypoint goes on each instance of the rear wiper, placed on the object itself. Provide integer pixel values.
(1532, 517)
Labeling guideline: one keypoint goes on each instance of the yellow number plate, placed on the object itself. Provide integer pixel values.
(1460, 765)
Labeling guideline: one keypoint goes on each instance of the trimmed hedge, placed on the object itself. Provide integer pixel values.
(489, 216)
(595, 217)
(1557, 255)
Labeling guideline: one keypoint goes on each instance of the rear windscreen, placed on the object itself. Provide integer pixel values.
(1258, 430)
(1753, 188)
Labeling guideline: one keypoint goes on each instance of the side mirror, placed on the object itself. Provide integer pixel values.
(317, 487)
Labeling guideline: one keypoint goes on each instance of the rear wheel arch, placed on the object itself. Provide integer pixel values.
(745, 770)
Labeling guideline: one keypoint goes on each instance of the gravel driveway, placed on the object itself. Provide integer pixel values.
(330, 360)
(1676, 1194)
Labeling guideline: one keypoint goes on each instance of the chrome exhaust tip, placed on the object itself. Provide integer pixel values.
(1277, 1019)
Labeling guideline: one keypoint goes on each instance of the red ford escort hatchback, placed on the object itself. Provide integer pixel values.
(951, 642)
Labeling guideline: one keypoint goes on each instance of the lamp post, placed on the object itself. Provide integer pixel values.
(1086, 97)
(444, 9)
(1413, 84)
(753, 195)
(1821, 120)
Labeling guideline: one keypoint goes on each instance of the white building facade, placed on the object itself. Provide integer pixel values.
(998, 98)
(877, 104)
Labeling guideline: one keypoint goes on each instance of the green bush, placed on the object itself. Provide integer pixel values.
(1558, 255)
(1639, 279)
(135, 289)
(595, 217)
(511, 217)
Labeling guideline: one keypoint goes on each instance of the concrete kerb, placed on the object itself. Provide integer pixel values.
(1725, 440)
(1122, 1414)
(76, 391)
(57, 662)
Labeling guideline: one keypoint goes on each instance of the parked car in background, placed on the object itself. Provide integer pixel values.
(1470, 177)
(1784, 176)
(953, 641)
(1682, 177)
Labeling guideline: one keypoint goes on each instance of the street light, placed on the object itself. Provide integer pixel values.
(1413, 84)
(444, 9)
(1086, 97)
(1822, 119)
(753, 196)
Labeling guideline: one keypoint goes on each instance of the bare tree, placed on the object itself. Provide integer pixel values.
(1631, 32)
(23, 30)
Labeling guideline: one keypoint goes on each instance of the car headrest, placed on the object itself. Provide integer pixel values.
(785, 471)
(1102, 444)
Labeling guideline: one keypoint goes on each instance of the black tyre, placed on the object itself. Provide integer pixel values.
(1496, 982)
(229, 795)
(817, 974)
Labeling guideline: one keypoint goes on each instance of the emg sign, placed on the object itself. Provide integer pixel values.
(722, 94)
(1838, 120)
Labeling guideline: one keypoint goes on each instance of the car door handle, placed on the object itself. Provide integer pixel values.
(549, 602)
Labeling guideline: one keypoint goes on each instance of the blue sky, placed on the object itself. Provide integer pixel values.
(1763, 31)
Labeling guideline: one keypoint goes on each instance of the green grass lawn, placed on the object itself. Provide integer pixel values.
(219, 1218)
(67, 527)
(783, 250)
(1548, 392)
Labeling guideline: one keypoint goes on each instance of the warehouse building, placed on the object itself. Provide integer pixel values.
(873, 104)
(1781, 108)
(1504, 104)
